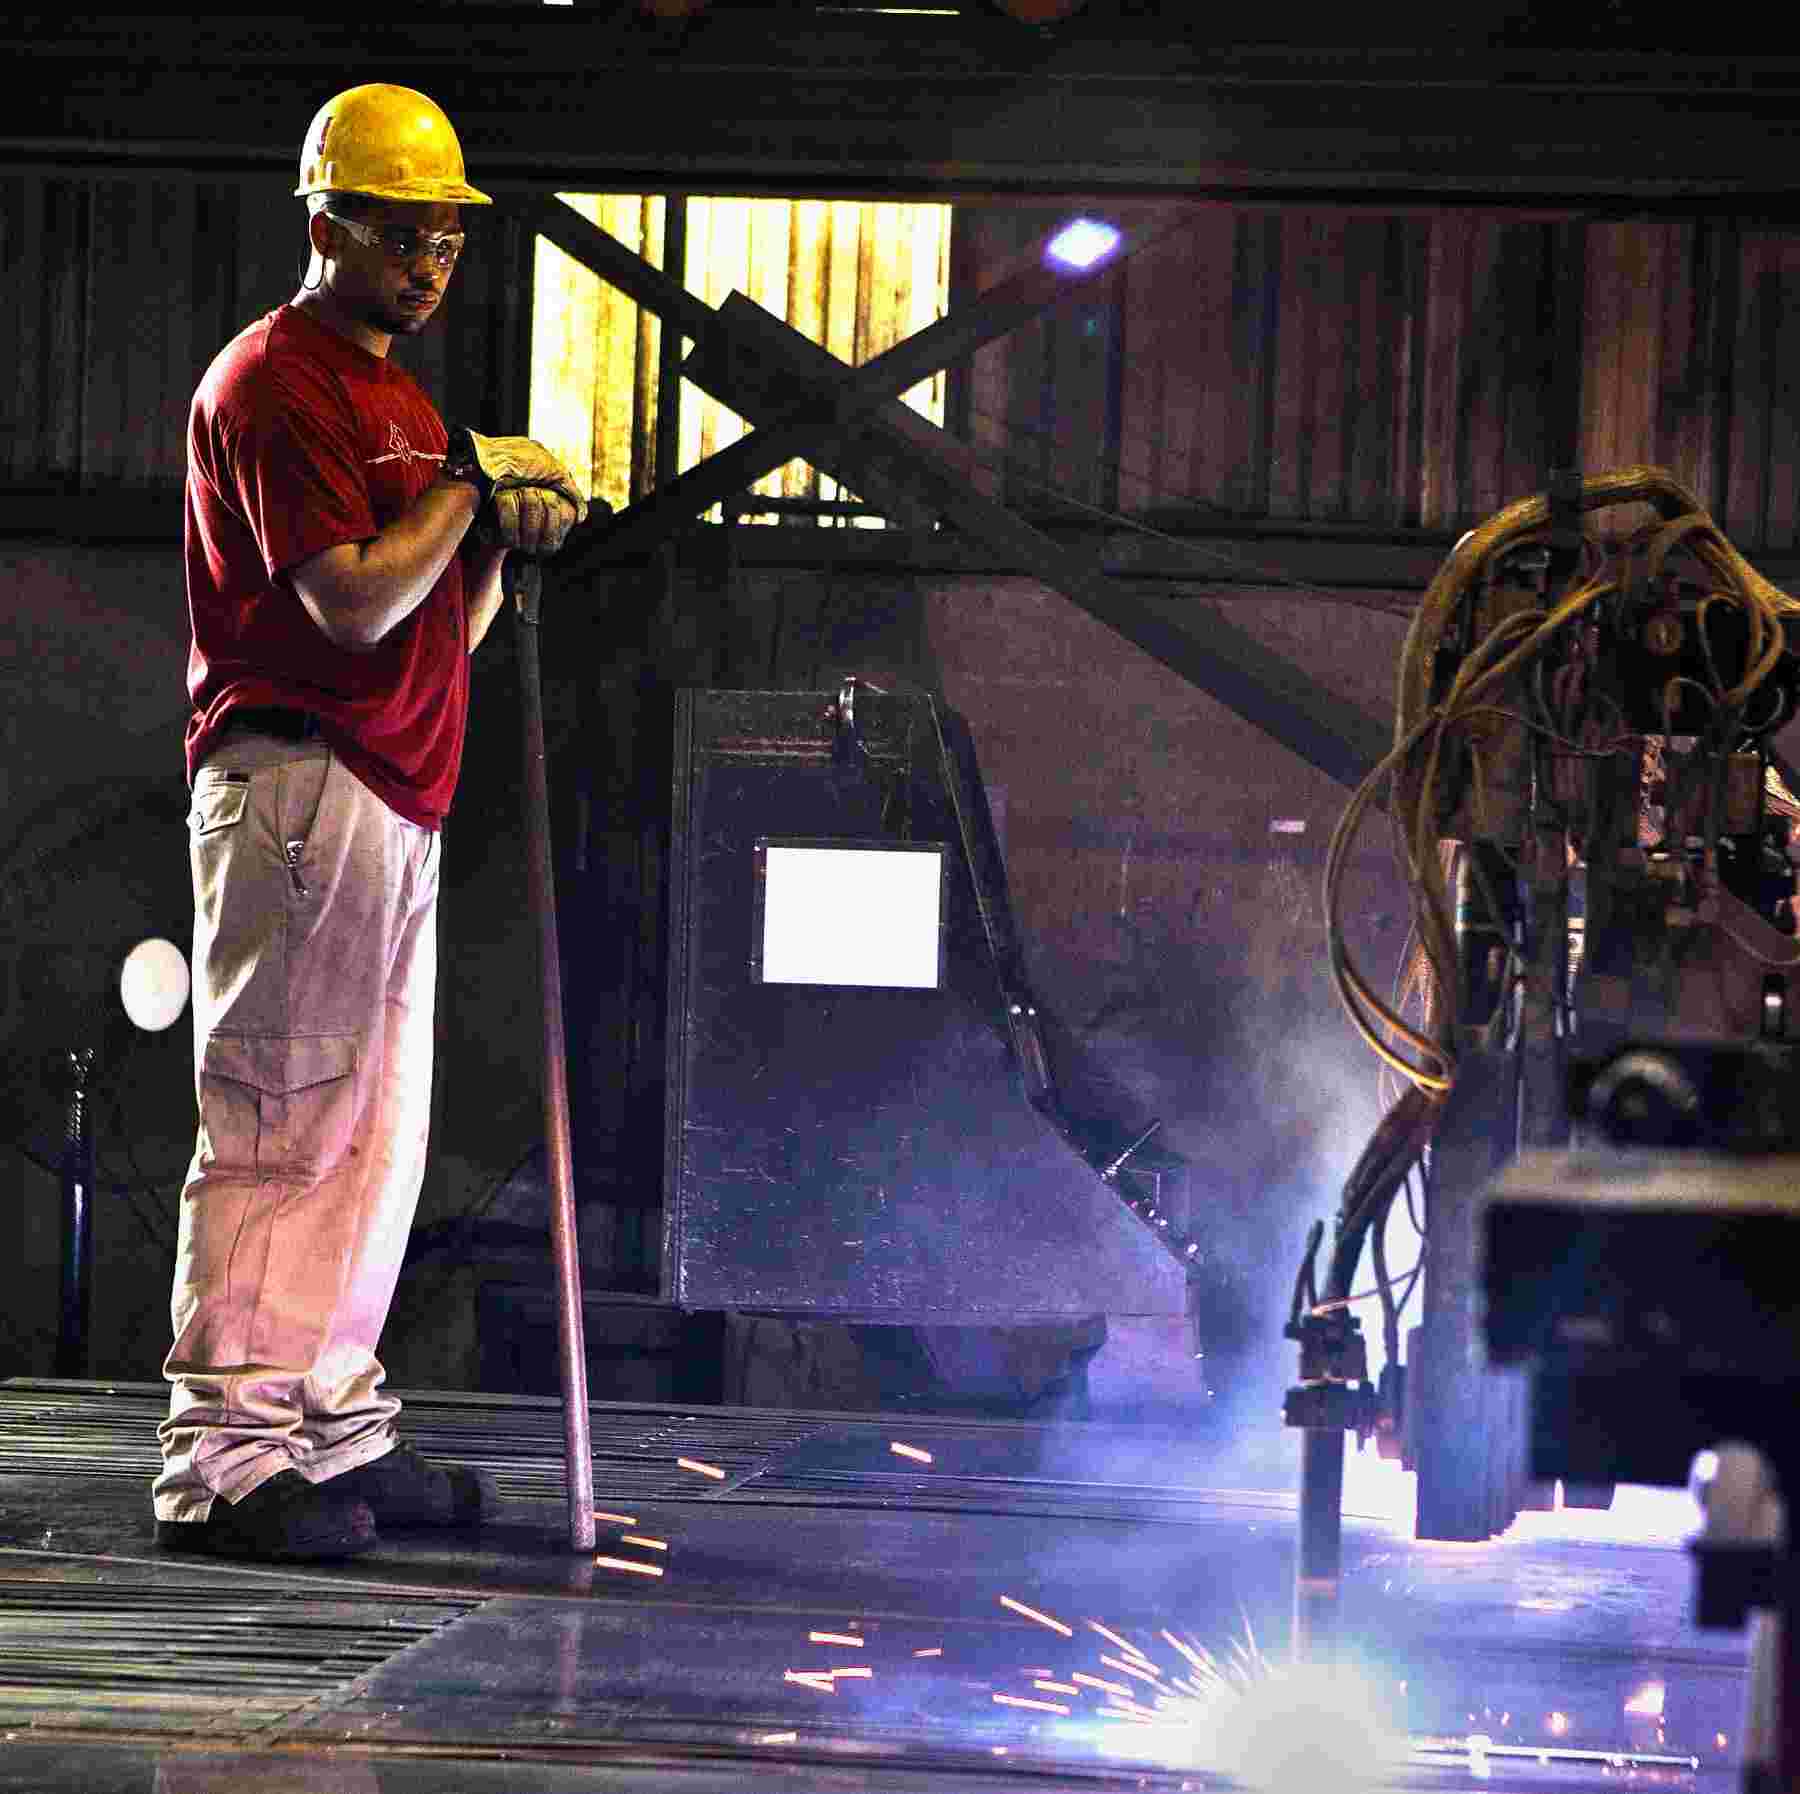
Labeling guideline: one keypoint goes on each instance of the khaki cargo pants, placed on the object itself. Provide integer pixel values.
(314, 968)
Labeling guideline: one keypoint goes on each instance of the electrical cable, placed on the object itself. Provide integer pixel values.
(1428, 726)
(1411, 1274)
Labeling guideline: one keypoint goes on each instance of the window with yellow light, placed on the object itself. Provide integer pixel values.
(854, 276)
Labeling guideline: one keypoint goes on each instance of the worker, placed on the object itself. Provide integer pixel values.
(344, 558)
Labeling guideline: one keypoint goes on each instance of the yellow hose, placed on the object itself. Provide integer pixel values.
(1414, 769)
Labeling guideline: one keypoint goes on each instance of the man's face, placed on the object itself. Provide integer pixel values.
(383, 291)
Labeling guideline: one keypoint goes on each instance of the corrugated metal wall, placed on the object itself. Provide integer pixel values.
(1394, 370)
(115, 295)
(1365, 368)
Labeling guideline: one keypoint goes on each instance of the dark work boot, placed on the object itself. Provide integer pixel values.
(403, 1489)
(283, 1519)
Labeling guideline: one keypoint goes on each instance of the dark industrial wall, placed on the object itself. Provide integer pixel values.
(1387, 372)
(1410, 370)
(1413, 370)
(114, 296)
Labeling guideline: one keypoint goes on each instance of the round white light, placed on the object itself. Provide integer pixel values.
(153, 984)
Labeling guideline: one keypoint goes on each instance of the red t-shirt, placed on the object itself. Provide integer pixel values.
(298, 440)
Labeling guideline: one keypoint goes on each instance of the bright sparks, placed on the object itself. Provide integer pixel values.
(616, 1519)
(1648, 1700)
(1100, 1682)
(1031, 1613)
(838, 1638)
(930, 1651)
(1056, 1687)
(648, 1544)
(625, 1563)
(819, 1681)
(1019, 1700)
(862, 1672)
(1126, 1668)
(1133, 1713)
(1124, 1645)
(909, 1451)
(700, 1469)
(779, 1738)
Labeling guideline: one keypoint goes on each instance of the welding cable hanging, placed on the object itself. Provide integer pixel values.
(1376, 1179)
(1430, 724)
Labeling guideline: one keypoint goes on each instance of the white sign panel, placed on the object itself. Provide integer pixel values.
(857, 916)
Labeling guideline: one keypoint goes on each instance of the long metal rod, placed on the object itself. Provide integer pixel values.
(523, 581)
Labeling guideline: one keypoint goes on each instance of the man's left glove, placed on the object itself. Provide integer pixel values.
(505, 468)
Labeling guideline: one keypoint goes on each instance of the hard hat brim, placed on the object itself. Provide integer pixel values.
(422, 192)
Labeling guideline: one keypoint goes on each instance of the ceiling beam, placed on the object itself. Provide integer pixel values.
(784, 99)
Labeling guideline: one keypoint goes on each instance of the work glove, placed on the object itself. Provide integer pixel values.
(532, 519)
(497, 464)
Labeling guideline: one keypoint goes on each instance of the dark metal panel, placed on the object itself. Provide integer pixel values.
(1249, 419)
(1494, 367)
(1288, 365)
(48, 271)
(1780, 387)
(863, 1151)
(1490, 332)
(21, 301)
(1526, 256)
(1328, 346)
(270, 248)
(1758, 323)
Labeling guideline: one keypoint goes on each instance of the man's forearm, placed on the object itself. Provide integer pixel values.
(482, 590)
(358, 593)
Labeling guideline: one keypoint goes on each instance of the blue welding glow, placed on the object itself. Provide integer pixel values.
(1083, 243)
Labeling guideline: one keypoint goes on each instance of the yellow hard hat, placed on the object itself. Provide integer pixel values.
(388, 142)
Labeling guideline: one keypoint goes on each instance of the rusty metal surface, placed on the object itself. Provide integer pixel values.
(859, 1151)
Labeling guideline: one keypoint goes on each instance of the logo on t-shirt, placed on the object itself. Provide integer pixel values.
(399, 449)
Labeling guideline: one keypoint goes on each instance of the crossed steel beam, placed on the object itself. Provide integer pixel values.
(804, 401)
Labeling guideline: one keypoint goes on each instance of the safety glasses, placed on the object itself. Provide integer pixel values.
(402, 244)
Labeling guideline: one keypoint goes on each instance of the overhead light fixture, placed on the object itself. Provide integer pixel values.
(1083, 243)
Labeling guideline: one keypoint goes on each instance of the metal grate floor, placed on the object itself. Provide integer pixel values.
(109, 1430)
(105, 1651)
(769, 1457)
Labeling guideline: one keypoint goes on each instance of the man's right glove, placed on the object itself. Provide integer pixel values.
(500, 464)
(532, 519)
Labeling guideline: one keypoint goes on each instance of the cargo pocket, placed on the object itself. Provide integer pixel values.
(275, 1106)
(219, 800)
